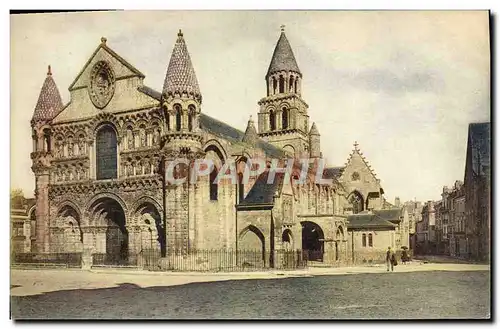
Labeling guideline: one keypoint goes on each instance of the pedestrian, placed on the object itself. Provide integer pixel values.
(394, 262)
(404, 256)
(388, 259)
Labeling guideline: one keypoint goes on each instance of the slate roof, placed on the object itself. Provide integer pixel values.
(150, 92)
(283, 58)
(234, 135)
(180, 75)
(333, 172)
(480, 145)
(262, 192)
(392, 215)
(368, 220)
(314, 129)
(49, 102)
(222, 129)
(250, 136)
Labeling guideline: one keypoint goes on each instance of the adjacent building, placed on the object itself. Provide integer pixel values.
(477, 184)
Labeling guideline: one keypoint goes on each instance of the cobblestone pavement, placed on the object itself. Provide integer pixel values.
(377, 294)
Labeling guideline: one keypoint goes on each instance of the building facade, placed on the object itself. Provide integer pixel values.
(102, 164)
(477, 185)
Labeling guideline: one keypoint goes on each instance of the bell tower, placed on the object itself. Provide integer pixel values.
(283, 118)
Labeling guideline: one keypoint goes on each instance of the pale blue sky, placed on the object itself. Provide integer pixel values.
(405, 85)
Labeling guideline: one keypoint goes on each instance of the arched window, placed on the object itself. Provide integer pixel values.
(364, 240)
(284, 117)
(191, 115)
(282, 84)
(106, 153)
(275, 85)
(214, 187)
(370, 240)
(241, 188)
(178, 117)
(295, 86)
(356, 200)
(46, 140)
(291, 84)
(272, 121)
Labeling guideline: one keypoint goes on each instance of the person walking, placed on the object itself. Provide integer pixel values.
(389, 259)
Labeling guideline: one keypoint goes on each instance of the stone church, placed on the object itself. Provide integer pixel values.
(100, 163)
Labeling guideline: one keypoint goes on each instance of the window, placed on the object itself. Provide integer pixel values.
(241, 188)
(272, 121)
(275, 85)
(364, 240)
(214, 188)
(106, 153)
(178, 117)
(192, 113)
(291, 84)
(355, 176)
(46, 140)
(284, 118)
(282, 84)
(370, 240)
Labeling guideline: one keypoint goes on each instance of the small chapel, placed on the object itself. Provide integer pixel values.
(100, 162)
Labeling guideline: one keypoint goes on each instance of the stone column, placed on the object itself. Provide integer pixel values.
(42, 211)
(278, 116)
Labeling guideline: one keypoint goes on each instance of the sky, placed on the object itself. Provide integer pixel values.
(404, 85)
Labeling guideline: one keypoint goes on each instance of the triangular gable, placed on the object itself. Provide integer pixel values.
(355, 159)
(120, 66)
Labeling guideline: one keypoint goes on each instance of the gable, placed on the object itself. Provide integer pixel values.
(128, 93)
(120, 66)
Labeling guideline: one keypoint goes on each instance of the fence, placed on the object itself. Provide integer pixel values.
(199, 260)
(112, 260)
(72, 260)
(220, 260)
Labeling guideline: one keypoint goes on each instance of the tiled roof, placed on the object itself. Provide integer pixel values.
(234, 135)
(392, 215)
(250, 136)
(180, 76)
(314, 129)
(262, 192)
(49, 102)
(368, 220)
(333, 172)
(283, 58)
(150, 92)
(480, 145)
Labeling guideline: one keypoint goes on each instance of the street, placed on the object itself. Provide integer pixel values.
(376, 295)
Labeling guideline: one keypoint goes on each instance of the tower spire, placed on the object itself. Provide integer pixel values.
(283, 58)
(250, 136)
(49, 102)
(181, 77)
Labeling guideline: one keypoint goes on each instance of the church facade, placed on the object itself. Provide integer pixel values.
(101, 163)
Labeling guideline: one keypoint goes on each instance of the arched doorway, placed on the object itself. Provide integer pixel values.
(251, 247)
(357, 202)
(153, 235)
(287, 240)
(312, 241)
(107, 213)
(72, 237)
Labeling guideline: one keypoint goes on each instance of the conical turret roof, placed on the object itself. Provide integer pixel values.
(314, 130)
(250, 136)
(49, 102)
(283, 58)
(180, 77)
